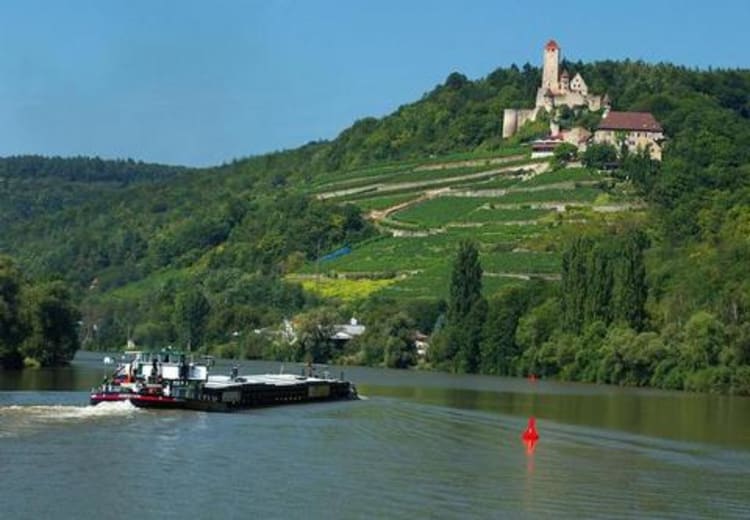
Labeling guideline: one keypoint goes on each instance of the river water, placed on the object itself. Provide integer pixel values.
(422, 445)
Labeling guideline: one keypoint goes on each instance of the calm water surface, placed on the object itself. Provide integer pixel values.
(422, 445)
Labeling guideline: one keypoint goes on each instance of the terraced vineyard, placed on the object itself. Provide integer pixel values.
(517, 210)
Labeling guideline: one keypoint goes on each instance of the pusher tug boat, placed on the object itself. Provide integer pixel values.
(123, 383)
(167, 379)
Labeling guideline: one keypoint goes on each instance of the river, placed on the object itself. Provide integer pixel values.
(421, 445)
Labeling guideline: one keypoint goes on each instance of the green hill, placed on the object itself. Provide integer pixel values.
(135, 241)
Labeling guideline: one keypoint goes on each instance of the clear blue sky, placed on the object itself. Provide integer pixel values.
(200, 83)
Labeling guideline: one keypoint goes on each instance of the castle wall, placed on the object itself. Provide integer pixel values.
(572, 99)
(526, 115)
(514, 118)
(569, 98)
(510, 122)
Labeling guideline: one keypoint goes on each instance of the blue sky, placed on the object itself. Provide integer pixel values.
(201, 83)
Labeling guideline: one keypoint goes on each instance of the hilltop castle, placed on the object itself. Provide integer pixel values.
(557, 89)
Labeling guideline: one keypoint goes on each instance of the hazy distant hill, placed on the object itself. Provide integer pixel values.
(33, 186)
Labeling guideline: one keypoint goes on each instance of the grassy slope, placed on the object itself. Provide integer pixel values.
(515, 218)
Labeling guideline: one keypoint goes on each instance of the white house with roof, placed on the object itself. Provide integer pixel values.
(345, 332)
(636, 130)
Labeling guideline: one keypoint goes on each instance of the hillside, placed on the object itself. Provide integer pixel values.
(517, 212)
(402, 191)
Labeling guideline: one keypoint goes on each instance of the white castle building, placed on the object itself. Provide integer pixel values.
(557, 89)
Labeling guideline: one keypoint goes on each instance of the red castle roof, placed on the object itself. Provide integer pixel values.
(552, 46)
(643, 121)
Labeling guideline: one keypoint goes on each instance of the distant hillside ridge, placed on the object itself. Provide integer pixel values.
(85, 169)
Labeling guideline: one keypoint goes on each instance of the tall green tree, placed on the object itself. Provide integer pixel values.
(315, 329)
(466, 311)
(192, 309)
(600, 258)
(535, 329)
(466, 281)
(400, 350)
(499, 349)
(574, 282)
(630, 287)
(52, 322)
(469, 337)
(11, 326)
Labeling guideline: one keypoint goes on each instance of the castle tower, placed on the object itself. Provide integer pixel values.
(564, 81)
(550, 73)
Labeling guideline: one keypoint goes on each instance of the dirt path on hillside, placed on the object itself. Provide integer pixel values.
(534, 169)
(378, 215)
(469, 163)
(525, 276)
(428, 167)
(564, 185)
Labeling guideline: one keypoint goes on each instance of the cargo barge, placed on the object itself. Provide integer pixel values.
(170, 380)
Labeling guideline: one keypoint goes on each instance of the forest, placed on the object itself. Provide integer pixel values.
(38, 321)
(201, 256)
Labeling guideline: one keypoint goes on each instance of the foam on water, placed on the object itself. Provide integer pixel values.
(63, 412)
(15, 419)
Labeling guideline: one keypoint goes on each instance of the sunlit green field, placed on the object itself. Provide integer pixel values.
(517, 219)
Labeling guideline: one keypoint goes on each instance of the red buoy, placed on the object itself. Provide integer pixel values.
(530, 433)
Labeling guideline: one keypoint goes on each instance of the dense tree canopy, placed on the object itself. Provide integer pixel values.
(38, 322)
(11, 326)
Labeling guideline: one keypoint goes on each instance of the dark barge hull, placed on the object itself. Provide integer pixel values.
(242, 396)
